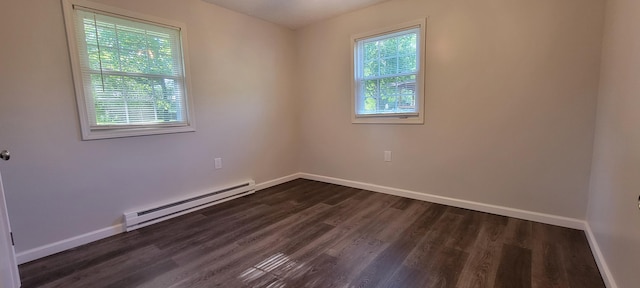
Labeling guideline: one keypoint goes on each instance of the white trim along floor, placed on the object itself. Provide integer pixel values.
(53, 248)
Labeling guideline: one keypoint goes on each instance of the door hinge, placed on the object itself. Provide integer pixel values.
(13, 243)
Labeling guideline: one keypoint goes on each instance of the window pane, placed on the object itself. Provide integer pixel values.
(388, 47)
(122, 57)
(133, 61)
(370, 105)
(131, 100)
(106, 34)
(109, 59)
(160, 63)
(389, 67)
(371, 68)
(372, 92)
(389, 95)
(392, 55)
(388, 75)
(407, 44)
(407, 64)
(370, 51)
(406, 93)
(168, 104)
(93, 54)
(109, 102)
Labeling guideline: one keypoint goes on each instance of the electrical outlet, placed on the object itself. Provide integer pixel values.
(218, 163)
(387, 156)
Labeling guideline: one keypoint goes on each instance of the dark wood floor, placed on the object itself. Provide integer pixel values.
(311, 234)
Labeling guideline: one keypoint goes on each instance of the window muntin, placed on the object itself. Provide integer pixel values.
(388, 75)
(131, 71)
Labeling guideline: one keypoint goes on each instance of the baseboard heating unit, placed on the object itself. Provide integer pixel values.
(152, 215)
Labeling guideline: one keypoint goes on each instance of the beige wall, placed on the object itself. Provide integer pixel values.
(510, 103)
(615, 180)
(59, 186)
(510, 111)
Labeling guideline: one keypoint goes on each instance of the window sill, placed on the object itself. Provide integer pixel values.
(388, 120)
(133, 132)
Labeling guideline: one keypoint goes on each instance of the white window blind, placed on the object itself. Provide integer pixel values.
(388, 73)
(131, 71)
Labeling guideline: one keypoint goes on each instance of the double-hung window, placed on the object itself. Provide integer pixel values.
(129, 72)
(388, 75)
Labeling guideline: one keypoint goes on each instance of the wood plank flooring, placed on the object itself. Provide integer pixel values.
(310, 234)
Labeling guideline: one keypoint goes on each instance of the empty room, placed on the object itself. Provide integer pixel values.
(308, 143)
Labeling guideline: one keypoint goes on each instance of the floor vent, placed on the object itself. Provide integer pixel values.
(146, 217)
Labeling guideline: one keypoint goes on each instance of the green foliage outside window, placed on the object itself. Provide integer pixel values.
(389, 68)
(133, 76)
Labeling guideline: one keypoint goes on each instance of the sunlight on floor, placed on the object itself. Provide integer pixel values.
(277, 261)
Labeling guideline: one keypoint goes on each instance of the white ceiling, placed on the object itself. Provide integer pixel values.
(294, 13)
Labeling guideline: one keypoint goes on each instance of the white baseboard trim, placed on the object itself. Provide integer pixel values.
(66, 244)
(597, 253)
(488, 208)
(274, 182)
(482, 207)
(53, 248)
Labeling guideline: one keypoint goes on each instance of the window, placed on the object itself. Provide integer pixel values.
(388, 69)
(128, 70)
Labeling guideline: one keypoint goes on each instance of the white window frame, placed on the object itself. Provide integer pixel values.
(384, 118)
(128, 130)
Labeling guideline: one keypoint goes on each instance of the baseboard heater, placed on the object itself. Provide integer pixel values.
(152, 215)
